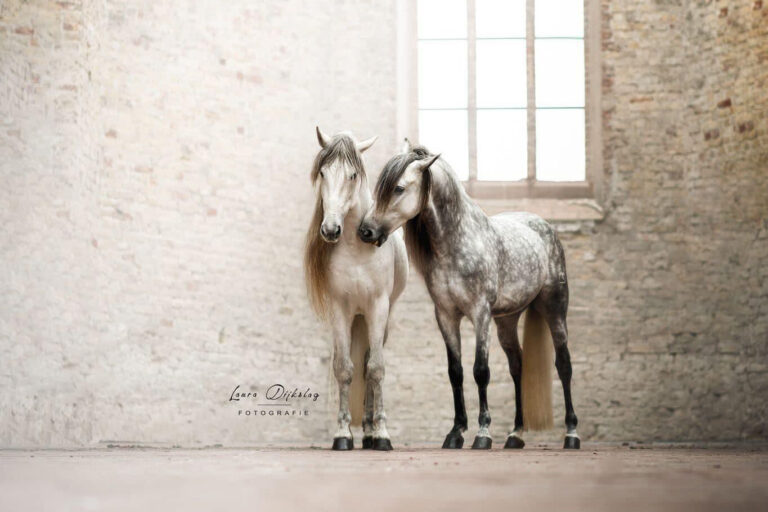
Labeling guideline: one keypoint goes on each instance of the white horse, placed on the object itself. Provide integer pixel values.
(352, 285)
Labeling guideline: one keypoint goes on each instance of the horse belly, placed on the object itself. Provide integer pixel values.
(523, 266)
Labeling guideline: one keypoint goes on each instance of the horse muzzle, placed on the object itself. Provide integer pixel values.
(373, 236)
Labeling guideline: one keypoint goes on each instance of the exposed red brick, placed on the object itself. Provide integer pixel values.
(211, 212)
(725, 103)
(25, 31)
(640, 99)
(723, 12)
(712, 134)
(144, 169)
(746, 127)
(758, 5)
(111, 133)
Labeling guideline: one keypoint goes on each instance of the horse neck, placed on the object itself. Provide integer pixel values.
(449, 213)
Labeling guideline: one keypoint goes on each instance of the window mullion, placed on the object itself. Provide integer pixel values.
(531, 99)
(472, 90)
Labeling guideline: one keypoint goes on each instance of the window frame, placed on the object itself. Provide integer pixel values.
(408, 108)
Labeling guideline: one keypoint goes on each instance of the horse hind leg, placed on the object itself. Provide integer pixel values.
(555, 309)
(506, 327)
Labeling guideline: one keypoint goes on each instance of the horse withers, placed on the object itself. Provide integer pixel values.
(352, 286)
(482, 268)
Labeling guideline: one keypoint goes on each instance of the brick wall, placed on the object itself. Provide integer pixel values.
(155, 158)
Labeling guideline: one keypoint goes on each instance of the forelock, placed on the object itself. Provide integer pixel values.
(394, 170)
(341, 149)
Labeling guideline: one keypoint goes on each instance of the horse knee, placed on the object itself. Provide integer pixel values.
(482, 373)
(343, 369)
(456, 373)
(375, 370)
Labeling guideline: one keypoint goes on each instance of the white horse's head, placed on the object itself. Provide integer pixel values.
(339, 172)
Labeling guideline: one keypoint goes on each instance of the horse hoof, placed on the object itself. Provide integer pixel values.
(453, 442)
(482, 443)
(572, 443)
(382, 443)
(514, 442)
(343, 443)
(367, 442)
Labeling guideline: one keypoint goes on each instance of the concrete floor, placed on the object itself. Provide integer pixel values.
(625, 478)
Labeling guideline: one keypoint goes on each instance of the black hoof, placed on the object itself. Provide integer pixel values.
(382, 443)
(453, 441)
(514, 442)
(367, 443)
(572, 443)
(343, 443)
(482, 443)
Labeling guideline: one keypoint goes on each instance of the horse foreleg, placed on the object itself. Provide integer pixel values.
(377, 321)
(482, 375)
(342, 369)
(449, 328)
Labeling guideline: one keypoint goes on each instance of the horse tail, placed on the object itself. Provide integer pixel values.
(537, 372)
(357, 351)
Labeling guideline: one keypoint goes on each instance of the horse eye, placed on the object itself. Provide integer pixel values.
(399, 190)
(322, 175)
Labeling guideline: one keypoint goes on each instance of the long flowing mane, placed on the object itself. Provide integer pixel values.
(317, 252)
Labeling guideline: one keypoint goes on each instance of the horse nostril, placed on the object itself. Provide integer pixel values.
(338, 231)
(367, 233)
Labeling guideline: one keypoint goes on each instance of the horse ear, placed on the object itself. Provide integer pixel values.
(362, 146)
(427, 162)
(406, 148)
(322, 138)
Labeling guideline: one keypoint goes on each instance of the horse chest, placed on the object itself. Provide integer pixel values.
(361, 276)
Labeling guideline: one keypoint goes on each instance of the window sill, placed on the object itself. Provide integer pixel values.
(567, 215)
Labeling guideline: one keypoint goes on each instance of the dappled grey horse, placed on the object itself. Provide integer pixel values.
(482, 268)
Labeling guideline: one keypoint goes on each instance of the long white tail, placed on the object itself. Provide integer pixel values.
(357, 349)
(537, 372)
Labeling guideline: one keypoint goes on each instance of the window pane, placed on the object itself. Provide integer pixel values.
(442, 18)
(559, 18)
(445, 132)
(559, 73)
(500, 18)
(560, 145)
(502, 141)
(442, 74)
(501, 73)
